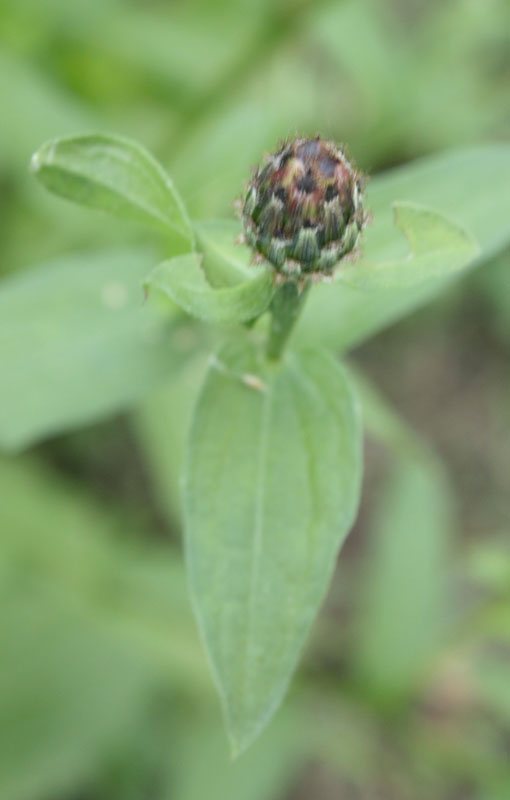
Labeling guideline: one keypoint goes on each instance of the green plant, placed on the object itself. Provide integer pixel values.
(273, 464)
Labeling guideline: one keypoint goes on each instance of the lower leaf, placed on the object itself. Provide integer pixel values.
(271, 489)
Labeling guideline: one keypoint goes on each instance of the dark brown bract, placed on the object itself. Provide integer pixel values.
(303, 209)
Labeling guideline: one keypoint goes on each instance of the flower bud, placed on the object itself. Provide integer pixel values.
(303, 208)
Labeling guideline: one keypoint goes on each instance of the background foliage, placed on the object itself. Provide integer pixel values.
(104, 692)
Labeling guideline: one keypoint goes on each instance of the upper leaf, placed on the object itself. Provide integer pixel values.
(226, 262)
(438, 247)
(113, 174)
(182, 279)
(471, 187)
(271, 488)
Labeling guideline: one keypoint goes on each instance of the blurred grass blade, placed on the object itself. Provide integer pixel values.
(161, 423)
(384, 423)
(268, 770)
(76, 343)
(403, 595)
(112, 174)
(183, 281)
(271, 488)
(438, 248)
(39, 107)
(91, 630)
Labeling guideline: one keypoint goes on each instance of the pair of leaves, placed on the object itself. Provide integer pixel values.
(438, 249)
(119, 176)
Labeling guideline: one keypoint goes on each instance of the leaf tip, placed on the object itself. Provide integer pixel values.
(241, 742)
(42, 157)
(35, 162)
(243, 729)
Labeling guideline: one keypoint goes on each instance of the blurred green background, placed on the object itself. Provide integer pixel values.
(404, 689)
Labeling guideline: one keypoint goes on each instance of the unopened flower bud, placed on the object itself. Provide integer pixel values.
(303, 209)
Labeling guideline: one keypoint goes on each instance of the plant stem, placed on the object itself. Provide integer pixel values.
(285, 307)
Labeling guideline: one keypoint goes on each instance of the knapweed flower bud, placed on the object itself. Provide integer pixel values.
(303, 209)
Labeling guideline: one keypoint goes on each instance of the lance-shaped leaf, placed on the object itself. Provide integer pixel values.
(112, 174)
(271, 488)
(183, 281)
(438, 247)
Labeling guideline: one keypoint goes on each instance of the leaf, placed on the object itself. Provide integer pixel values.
(77, 343)
(112, 174)
(438, 248)
(271, 488)
(183, 281)
(403, 593)
(225, 263)
(470, 186)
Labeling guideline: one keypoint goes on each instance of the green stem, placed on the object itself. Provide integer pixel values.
(285, 307)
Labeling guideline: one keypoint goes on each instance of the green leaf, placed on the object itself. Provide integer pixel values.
(183, 281)
(438, 248)
(471, 187)
(271, 488)
(225, 262)
(403, 594)
(77, 343)
(112, 174)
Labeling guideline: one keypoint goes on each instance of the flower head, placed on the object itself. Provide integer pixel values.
(303, 208)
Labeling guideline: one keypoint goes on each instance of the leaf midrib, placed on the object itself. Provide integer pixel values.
(256, 539)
